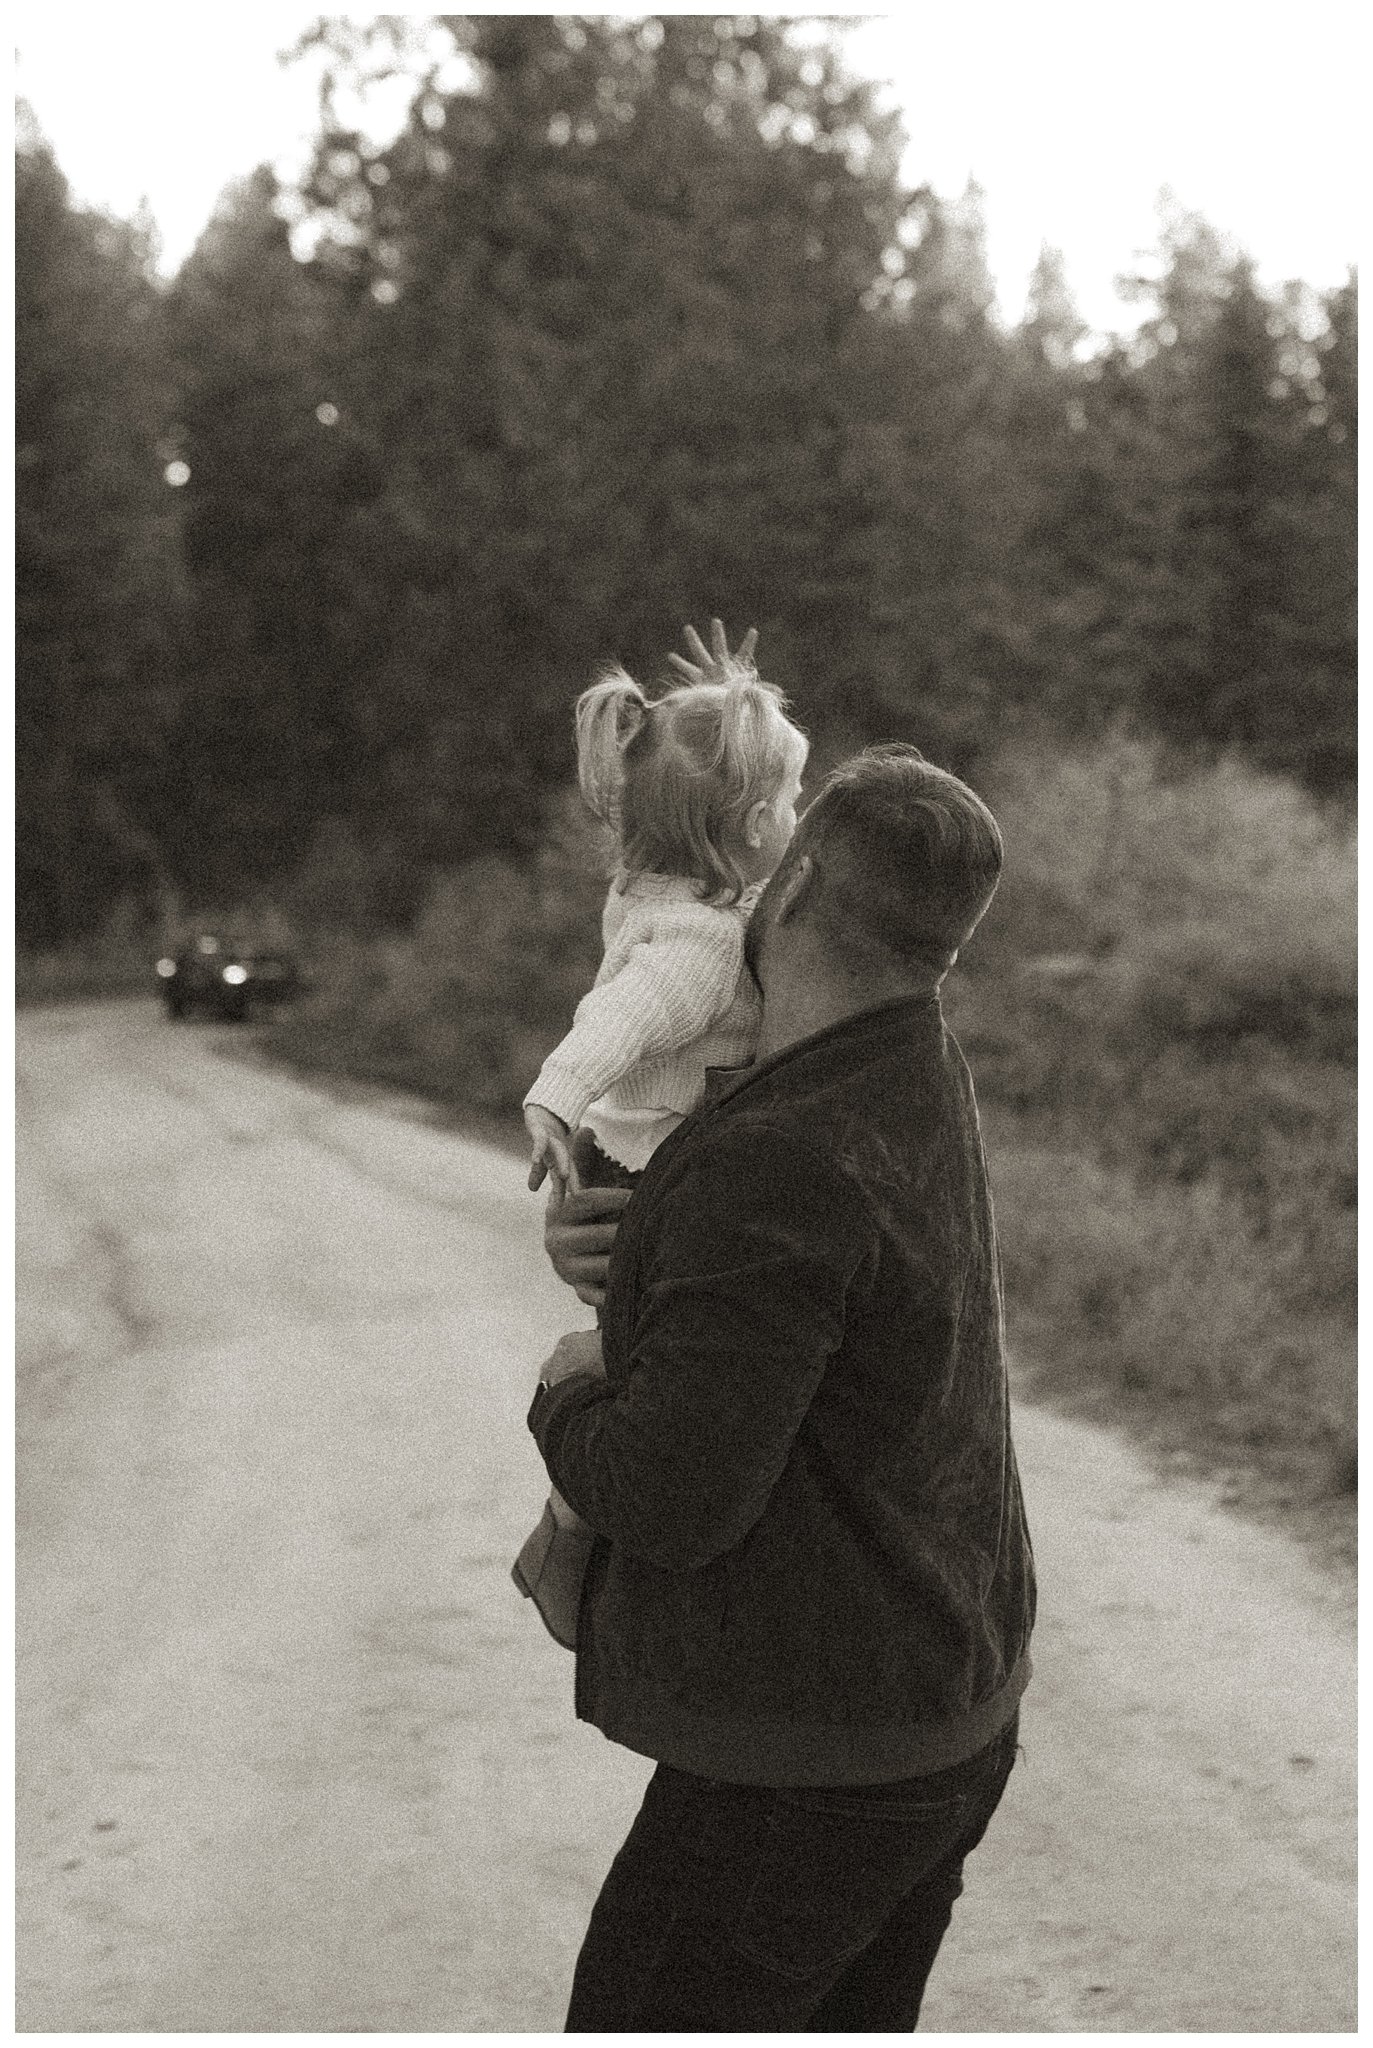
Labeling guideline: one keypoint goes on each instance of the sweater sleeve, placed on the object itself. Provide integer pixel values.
(741, 1304)
(673, 985)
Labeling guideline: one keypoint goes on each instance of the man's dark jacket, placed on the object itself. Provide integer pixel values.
(815, 1567)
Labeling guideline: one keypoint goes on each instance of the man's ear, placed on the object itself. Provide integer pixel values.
(795, 888)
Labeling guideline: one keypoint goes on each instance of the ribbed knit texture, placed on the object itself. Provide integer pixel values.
(672, 997)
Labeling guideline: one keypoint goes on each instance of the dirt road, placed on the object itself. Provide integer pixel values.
(295, 1757)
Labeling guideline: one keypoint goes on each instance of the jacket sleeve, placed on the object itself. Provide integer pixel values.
(741, 1302)
(672, 987)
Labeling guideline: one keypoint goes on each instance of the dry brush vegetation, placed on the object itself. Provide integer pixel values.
(1159, 1013)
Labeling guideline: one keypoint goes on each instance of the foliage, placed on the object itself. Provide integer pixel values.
(1161, 1298)
(634, 321)
(468, 1003)
(1221, 452)
(96, 588)
(1160, 1009)
(278, 635)
(610, 331)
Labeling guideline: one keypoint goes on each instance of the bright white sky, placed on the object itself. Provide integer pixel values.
(1071, 114)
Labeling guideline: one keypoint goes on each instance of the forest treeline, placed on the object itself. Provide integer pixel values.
(636, 325)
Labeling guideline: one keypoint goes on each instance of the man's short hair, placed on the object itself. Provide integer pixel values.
(907, 859)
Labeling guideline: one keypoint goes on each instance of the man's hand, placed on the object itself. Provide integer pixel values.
(549, 1150)
(578, 1351)
(716, 664)
(579, 1229)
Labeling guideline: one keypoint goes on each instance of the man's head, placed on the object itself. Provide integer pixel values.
(891, 868)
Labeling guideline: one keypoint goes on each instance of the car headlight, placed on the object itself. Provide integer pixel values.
(166, 968)
(234, 975)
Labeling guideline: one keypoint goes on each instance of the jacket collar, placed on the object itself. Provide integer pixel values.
(891, 1020)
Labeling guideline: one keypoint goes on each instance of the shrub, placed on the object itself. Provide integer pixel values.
(1215, 906)
(334, 887)
(116, 960)
(1162, 1014)
(466, 1005)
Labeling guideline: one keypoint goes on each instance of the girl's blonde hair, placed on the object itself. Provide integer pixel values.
(674, 778)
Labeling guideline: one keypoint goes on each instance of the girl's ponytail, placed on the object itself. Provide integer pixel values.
(608, 716)
(750, 715)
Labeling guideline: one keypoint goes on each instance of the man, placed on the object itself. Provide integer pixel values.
(812, 1590)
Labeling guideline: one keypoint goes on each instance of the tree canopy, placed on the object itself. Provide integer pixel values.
(637, 322)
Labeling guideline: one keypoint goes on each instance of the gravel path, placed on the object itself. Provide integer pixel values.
(295, 1757)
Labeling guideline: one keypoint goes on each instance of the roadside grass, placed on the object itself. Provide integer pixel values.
(1159, 1014)
(1155, 1308)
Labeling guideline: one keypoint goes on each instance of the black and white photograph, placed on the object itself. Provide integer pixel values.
(617, 614)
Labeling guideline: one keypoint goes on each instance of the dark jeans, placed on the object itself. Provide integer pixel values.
(741, 1909)
(596, 1169)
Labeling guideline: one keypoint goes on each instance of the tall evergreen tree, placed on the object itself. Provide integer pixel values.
(1055, 514)
(268, 740)
(952, 672)
(1235, 524)
(1307, 724)
(615, 353)
(95, 579)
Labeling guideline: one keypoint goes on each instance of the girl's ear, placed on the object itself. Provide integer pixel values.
(753, 830)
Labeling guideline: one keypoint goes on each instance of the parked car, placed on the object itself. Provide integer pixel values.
(224, 977)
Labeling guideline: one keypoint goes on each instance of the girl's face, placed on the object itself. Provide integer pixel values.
(770, 827)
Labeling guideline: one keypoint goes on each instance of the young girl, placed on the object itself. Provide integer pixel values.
(699, 790)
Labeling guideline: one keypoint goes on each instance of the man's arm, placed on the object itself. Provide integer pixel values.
(741, 1304)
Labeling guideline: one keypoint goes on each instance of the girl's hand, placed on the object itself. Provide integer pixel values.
(548, 1134)
(716, 664)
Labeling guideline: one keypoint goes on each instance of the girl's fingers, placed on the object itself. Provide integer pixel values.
(716, 660)
(537, 1171)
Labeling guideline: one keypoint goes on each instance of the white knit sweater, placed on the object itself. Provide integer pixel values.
(672, 997)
